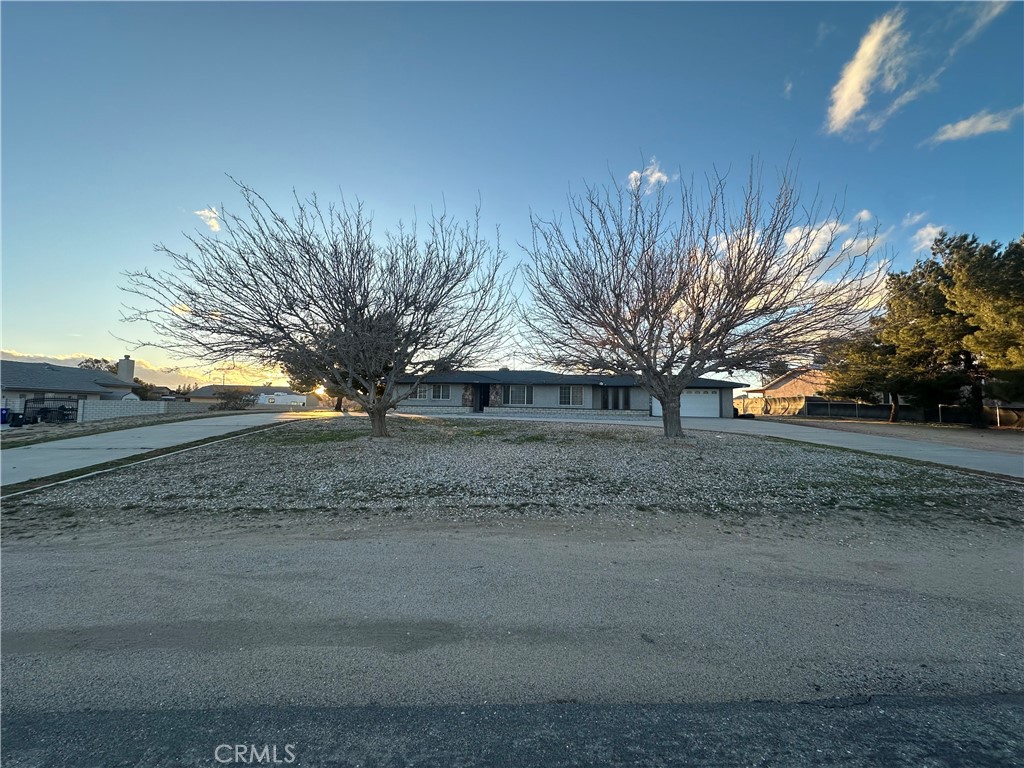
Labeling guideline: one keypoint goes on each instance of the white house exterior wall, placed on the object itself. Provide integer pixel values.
(281, 399)
(697, 403)
(544, 396)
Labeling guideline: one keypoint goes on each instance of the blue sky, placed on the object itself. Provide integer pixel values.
(121, 121)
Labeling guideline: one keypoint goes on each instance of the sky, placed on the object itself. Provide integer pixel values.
(122, 122)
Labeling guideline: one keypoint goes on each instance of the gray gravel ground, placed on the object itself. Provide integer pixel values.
(504, 471)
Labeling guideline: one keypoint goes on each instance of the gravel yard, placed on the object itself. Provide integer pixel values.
(434, 470)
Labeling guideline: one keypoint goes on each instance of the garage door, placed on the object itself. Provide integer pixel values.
(696, 403)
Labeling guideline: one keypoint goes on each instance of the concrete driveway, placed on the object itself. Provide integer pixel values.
(36, 461)
(1007, 463)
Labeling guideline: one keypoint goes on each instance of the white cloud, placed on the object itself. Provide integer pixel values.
(976, 125)
(652, 174)
(913, 218)
(210, 218)
(986, 13)
(824, 30)
(983, 15)
(925, 236)
(817, 237)
(864, 215)
(787, 88)
(881, 55)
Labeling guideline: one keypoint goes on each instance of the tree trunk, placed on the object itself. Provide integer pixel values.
(894, 409)
(378, 426)
(976, 406)
(671, 417)
(339, 404)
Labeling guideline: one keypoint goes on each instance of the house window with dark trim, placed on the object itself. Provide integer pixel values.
(441, 392)
(517, 394)
(422, 392)
(570, 394)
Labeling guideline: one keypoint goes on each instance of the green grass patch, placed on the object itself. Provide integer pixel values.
(521, 439)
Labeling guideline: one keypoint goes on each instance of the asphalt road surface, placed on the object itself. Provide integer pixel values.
(538, 646)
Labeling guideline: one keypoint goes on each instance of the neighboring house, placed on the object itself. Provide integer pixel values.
(270, 396)
(27, 382)
(503, 389)
(804, 382)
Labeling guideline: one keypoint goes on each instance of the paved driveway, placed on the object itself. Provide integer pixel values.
(1009, 463)
(35, 461)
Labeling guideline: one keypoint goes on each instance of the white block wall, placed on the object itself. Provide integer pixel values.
(98, 410)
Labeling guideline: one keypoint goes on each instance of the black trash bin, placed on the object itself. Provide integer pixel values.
(17, 419)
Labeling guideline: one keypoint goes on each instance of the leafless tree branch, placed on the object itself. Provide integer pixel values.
(721, 288)
(317, 292)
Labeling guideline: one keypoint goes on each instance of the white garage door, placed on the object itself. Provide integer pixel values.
(699, 403)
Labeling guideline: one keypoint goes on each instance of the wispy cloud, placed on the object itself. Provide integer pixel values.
(652, 176)
(976, 125)
(925, 236)
(210, 218)
(985, 14)
(880, 59)
(982, 15)
(824, 30)
(913, 218)
(864, 215)
(787, 88)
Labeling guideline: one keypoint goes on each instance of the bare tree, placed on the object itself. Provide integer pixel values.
(618, 289)
(317, 293)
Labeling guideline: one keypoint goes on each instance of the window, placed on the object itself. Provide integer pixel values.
(570, 395)
(517, 394)
(422, 392)
(441, 392)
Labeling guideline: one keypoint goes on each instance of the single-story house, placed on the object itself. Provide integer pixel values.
(269, 396)
(26, 382)
(503, 389)
(799, 381)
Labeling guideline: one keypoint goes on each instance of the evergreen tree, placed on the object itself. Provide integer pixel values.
(927, 336)
(986, 288)
(864, 367)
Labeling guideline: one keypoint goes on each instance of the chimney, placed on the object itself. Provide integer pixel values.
(126, 369)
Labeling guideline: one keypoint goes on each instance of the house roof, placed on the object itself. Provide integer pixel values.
(46, 377)
(786, 377)
(538, 378)
(212, 390)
